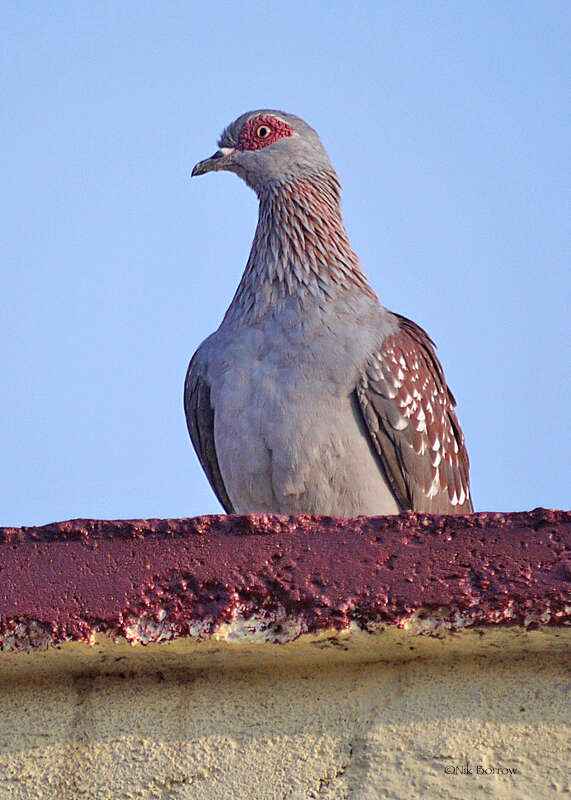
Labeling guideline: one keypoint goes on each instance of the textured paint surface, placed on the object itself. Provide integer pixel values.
(366, 731)
(151, 580)
(414, 656)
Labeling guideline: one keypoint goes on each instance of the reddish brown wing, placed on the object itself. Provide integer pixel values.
(409, 411)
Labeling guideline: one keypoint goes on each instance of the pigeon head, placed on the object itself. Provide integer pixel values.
(268, 148)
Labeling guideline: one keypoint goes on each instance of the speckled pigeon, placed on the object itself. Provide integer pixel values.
(311, 397)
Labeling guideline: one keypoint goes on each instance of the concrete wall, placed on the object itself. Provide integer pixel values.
(272, 658)
(312, 720)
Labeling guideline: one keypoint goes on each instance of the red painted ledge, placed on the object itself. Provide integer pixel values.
(155, 580)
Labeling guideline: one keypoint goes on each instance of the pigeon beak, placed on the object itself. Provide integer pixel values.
(213, 164)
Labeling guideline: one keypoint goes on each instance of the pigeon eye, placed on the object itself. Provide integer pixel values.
(263, 132)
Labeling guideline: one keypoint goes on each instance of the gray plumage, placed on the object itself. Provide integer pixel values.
(311, 397)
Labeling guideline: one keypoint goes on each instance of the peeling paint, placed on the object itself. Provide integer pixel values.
(265, 578)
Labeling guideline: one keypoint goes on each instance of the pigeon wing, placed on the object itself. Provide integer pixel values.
(200, 421)
(409, 412)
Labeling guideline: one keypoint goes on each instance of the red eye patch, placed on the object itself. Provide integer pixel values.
(262, 131)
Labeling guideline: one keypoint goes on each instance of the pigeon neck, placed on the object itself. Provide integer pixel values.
(300, 249)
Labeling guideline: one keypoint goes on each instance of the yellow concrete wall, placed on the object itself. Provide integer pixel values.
(333, 718)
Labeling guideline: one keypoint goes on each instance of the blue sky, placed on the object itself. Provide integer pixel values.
(449, 127)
